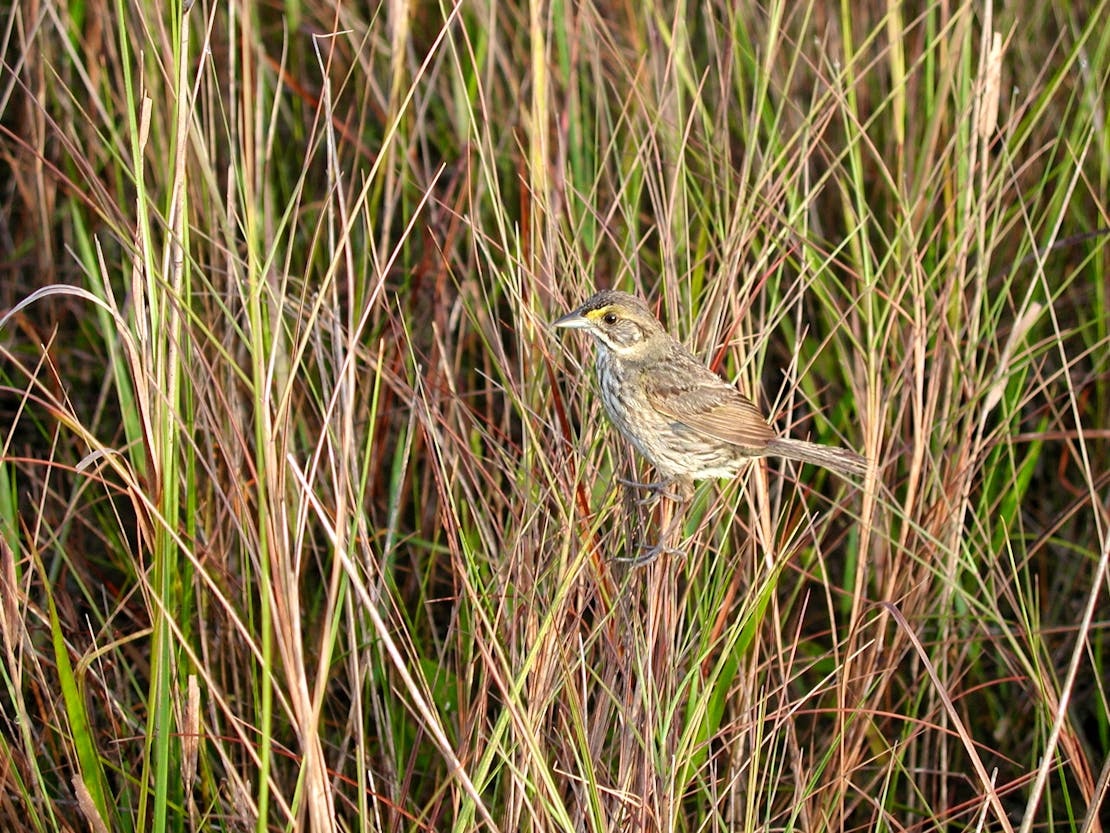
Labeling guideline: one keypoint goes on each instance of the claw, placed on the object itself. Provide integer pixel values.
(658, 490)
(649, 555)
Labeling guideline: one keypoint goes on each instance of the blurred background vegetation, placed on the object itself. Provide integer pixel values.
(309, 522)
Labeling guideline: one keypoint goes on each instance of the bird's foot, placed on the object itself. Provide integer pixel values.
(661, 489)
(649, 554)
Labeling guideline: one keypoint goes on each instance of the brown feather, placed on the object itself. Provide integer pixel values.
(701, 400)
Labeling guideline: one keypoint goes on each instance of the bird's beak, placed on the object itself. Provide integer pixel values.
(572, 321)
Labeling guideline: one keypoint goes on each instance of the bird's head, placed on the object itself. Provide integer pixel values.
(620, 322)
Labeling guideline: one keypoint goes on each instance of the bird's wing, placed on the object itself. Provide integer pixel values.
(711, 406)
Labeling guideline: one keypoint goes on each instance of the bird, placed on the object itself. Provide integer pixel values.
(683, 418)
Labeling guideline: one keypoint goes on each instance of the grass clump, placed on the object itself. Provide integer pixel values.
(309, 522)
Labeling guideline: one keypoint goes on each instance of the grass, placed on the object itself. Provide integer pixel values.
(309, 522)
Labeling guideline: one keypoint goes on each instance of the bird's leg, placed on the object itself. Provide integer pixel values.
(670, 520)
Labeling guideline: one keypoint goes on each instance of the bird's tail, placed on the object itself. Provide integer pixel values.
(840, 460)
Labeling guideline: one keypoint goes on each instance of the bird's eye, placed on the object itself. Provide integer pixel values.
(610, 318)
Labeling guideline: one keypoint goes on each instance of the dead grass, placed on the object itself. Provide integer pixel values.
(308, 520)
